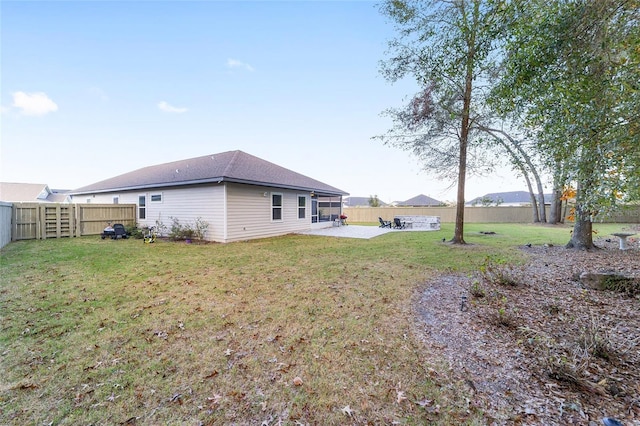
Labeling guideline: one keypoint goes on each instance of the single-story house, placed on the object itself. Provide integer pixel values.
(360, 202)
(506, 199)
(238, 195)
(419, 201)
(31, 193)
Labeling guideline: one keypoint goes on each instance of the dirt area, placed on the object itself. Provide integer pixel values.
(538, 347)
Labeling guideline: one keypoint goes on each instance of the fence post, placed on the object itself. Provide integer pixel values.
(14, 222)
(58, 221)
(72, 220)
(80, 219)
(41, 223)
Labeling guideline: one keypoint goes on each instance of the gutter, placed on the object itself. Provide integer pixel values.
(204, 181)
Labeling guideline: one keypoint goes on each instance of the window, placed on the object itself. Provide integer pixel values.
(302, 207)
(276, 206)
(142, 207)
(116, 200)
(156, 198)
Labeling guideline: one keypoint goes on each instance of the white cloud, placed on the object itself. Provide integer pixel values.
(34, 103)
(234, 63)
(164, 106)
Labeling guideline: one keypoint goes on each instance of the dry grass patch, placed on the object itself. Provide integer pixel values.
(298, 329)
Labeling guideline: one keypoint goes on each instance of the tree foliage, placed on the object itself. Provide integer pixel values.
(446, 46)
(572, 69)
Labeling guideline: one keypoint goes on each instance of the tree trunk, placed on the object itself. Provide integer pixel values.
(458, 236)
(555, 214)
(582, 236)
(534, 203)
(543, 209)
(517, 159)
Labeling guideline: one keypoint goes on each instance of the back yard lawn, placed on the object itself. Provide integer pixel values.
(296, 329)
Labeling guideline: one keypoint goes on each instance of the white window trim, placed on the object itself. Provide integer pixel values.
(151, 200)
(146, 202)
(281, 207)
(306, 203)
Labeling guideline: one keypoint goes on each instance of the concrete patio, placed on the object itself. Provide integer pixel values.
(357, 231)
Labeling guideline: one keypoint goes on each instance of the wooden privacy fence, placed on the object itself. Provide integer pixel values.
(51, 220)
(501, 214)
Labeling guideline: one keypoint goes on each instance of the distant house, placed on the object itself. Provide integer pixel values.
(419, 201)
(31, 193)
(513, 198)
(360, 202)
(239, 195)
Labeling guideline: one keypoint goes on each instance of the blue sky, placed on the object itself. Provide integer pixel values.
(90, 90)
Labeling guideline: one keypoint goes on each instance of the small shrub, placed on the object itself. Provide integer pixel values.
(565, 369)
(181, 231)
(201, 227)
(134, 232)
(497, 271)
(476, 289)
(594, 339)
(161, 228)
(176, 229)
(504, 318)
(561, 362)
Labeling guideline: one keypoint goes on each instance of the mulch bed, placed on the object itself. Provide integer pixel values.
(540, 348)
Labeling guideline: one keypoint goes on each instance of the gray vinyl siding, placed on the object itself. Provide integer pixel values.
(187, 204)
(184, 203)
(249, 213)
(245, 209)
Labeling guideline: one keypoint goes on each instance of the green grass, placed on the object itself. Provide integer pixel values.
(103, 332)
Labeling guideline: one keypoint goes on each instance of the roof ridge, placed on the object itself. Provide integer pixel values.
(234, 157)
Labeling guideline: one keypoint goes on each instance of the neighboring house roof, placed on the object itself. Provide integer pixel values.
(420, 200)
(30, 193)
(59, 195)
(230, 166)
(359, 202)
(513, 197)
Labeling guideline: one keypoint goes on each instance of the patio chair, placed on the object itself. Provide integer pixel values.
(398, 224)
(384, 223)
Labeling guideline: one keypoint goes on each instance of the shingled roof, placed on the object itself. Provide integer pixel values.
(29, 192)
(230, 166)
(420, 200)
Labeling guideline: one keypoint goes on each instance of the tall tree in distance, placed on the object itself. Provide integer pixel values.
(523, 163)
(446, 46)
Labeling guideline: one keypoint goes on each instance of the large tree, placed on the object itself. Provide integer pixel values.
(573, 70)
(446, 46)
